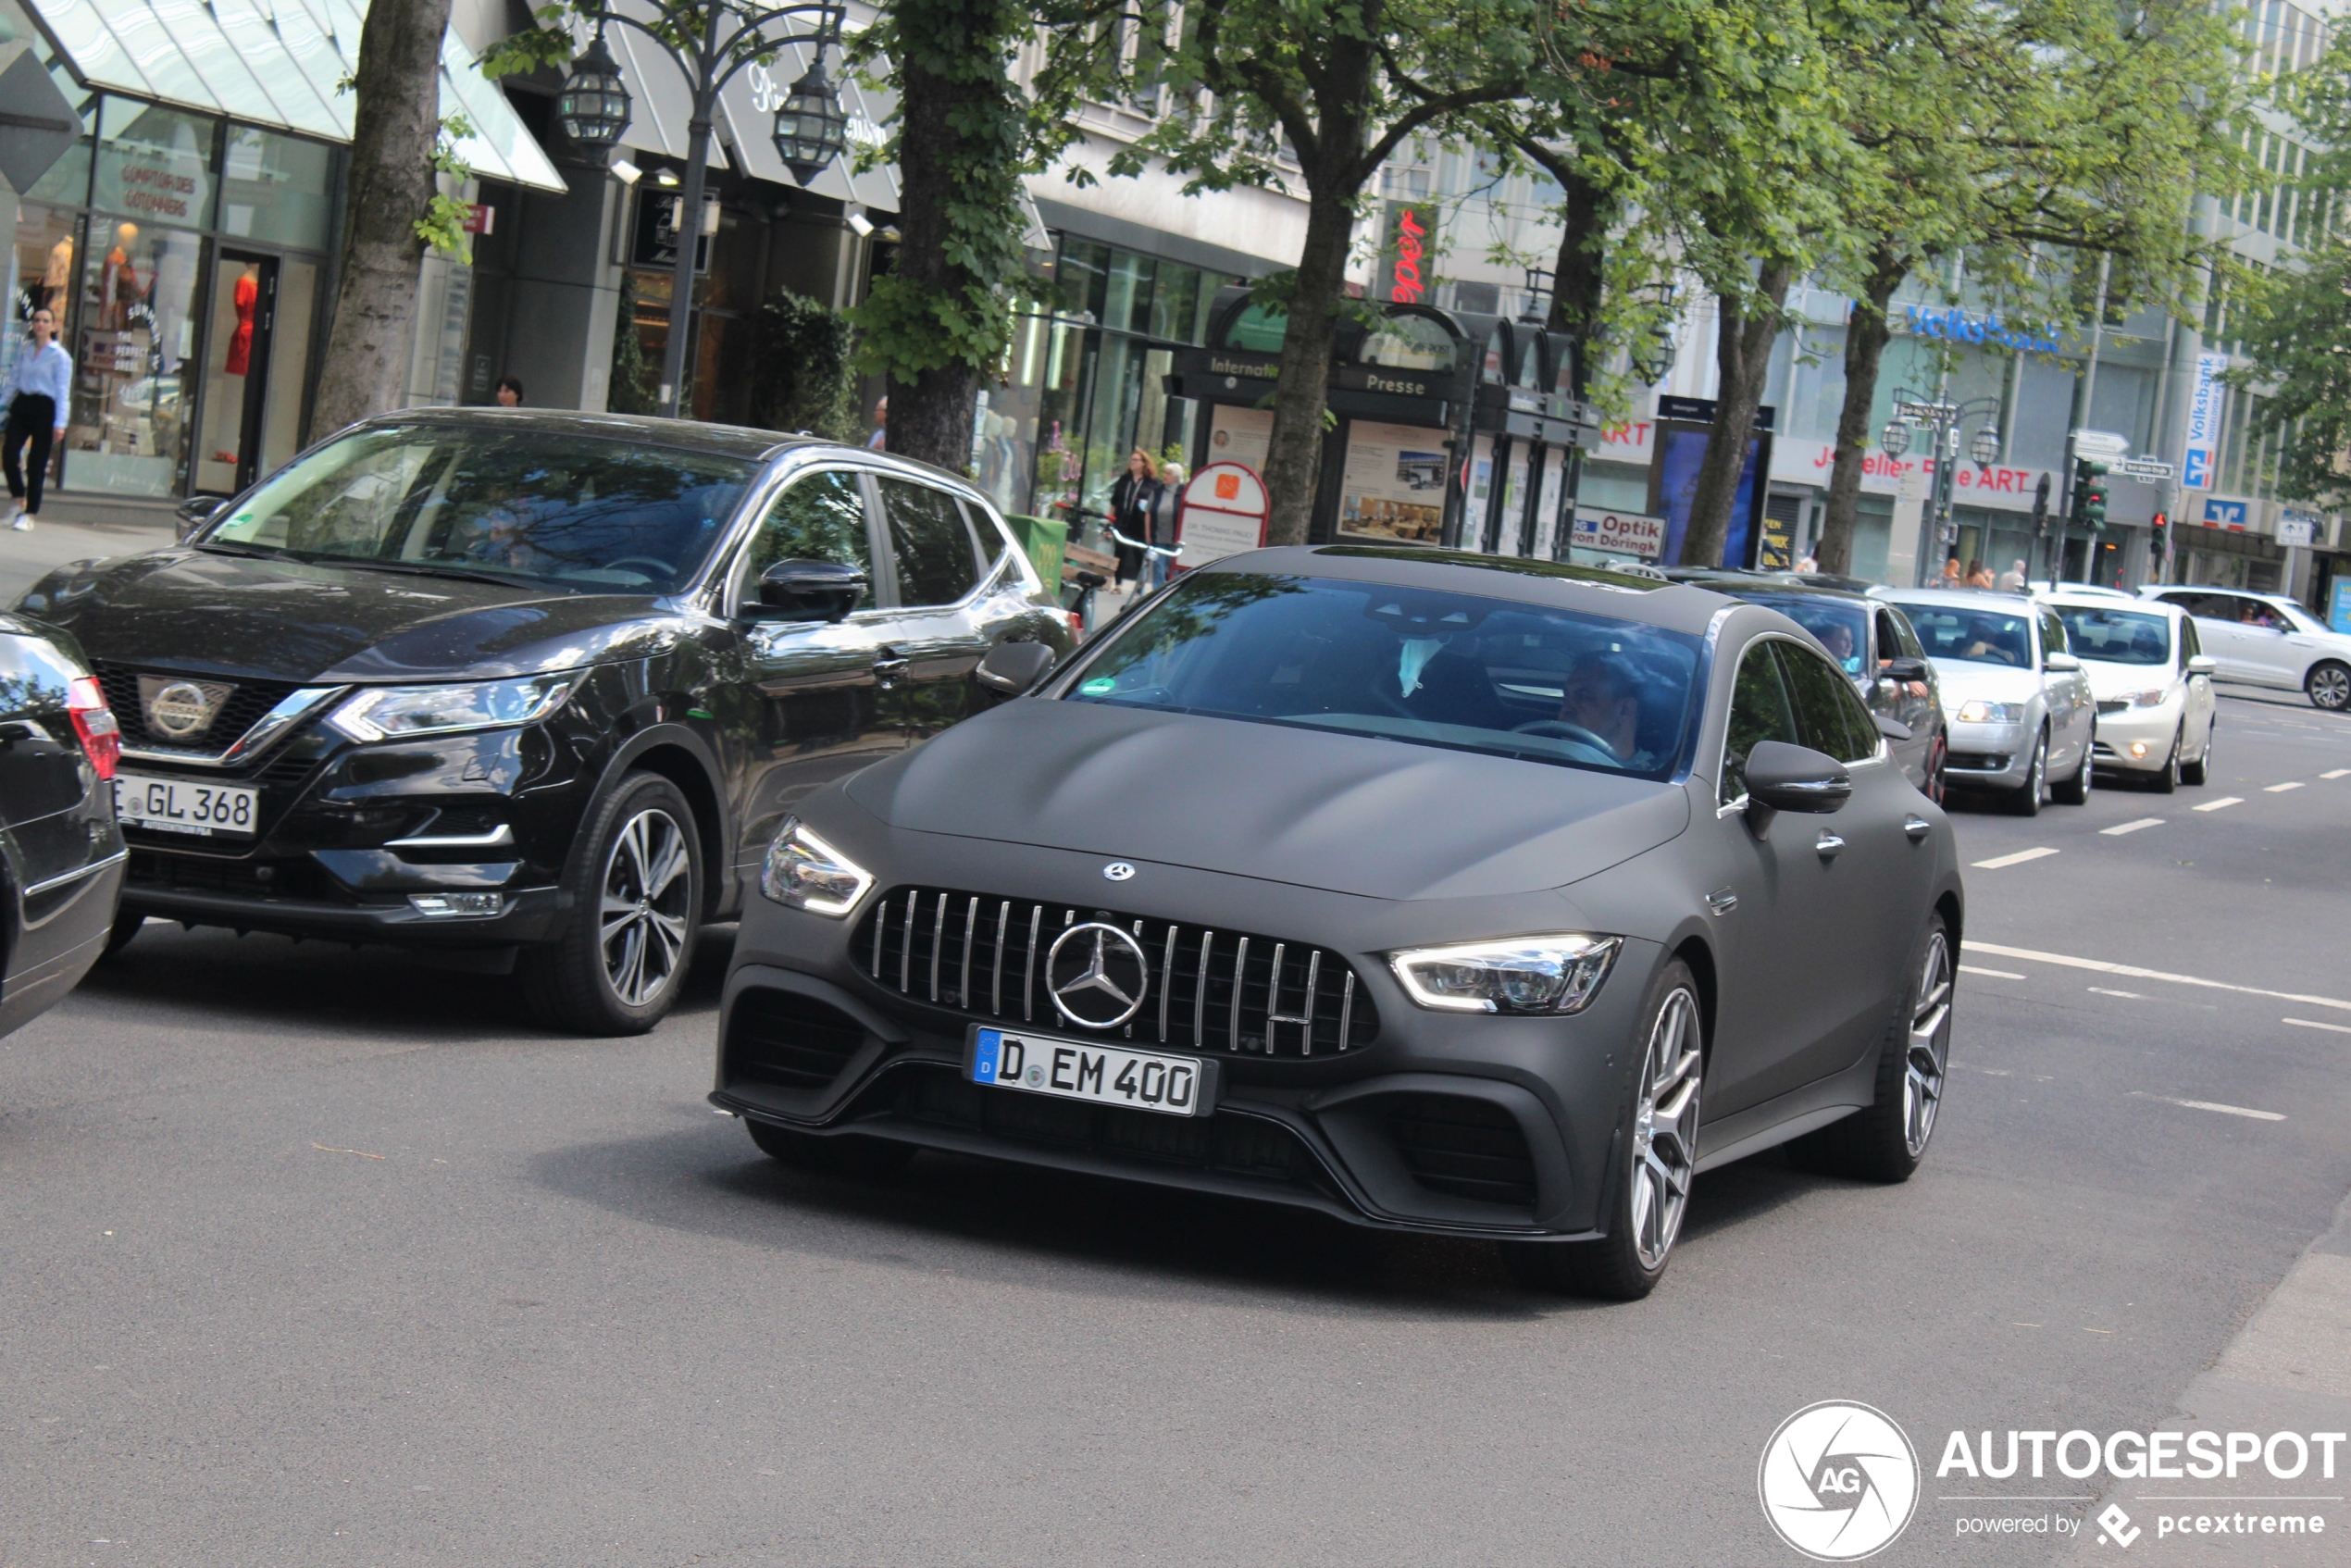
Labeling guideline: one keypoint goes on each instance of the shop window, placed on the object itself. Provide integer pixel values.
(277, 187)
(1175, 300)
(135, 330)
(1409, 342)
(43, 247)
(154, 164)
(1081, 278)
(1127, 302)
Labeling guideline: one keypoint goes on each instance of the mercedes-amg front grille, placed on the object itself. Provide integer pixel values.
(1207, 989)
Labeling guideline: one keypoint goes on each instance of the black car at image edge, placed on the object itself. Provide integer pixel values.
(1431, 892)
(531, 691)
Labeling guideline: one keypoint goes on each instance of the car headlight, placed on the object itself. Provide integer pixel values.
(2152, 698)
(804, 872)
(1977, 711)
(1551, 974)
(393, 712)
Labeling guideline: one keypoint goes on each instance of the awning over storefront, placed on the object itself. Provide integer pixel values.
(274, 63)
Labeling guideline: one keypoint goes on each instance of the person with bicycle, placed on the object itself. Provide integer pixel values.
(1133, 497)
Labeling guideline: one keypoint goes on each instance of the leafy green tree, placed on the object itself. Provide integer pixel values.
(1280, 93)
(801, 360)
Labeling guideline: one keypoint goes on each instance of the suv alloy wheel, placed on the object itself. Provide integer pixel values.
(636, 886)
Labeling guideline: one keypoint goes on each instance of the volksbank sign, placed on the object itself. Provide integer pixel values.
(1958, 326)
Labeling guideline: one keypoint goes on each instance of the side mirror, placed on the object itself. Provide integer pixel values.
(810, 590)
(1013, 670)
(1892, 729)
(1905, 670)
(195, 512)
(2062, 663)
(2203, 664)
(1798, 778)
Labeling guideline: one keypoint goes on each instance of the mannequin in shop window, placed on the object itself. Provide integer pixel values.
(56, 278)
(119, 293)
(228, 407)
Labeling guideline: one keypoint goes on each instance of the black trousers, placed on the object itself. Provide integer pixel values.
(32, 420)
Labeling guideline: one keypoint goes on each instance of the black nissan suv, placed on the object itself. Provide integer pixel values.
(534, 689)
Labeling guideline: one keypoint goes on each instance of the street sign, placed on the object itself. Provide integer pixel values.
(1930, 413)
(2146, 470)
(1223, 512)
(37, 126)
(2101, 444)
(1620, 533)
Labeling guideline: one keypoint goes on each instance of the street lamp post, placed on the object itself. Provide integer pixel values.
(711, 40)
(1942, 422)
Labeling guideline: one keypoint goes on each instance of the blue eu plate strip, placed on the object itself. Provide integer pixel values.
(984, 1058)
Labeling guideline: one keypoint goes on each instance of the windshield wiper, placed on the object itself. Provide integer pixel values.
(254, 552)
(420, 568)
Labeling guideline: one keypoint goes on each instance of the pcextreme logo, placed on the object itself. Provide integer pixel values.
(1838, 1480)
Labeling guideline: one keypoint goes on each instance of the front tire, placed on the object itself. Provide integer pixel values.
(1660, 1137)
(1888, 1142)
(2167, 781)
(2027, 801)
(2200, 771)
(636, 888)
(2329, 686)
(2075, 791)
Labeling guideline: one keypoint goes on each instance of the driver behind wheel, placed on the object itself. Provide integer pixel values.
(1603, 697)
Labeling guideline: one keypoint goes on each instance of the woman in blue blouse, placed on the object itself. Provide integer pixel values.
(40, 389)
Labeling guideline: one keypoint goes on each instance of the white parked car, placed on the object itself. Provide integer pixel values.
(2266, 640)
(2020, 716)
(2153, 682)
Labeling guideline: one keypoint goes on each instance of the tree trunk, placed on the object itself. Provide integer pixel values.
(930, 417)
(1865, 339)
(395, 118)
(1294, 453)
(1579, 274)
(1743, 355)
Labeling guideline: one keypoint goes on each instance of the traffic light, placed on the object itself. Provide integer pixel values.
(2041, 507)
(2157, 545)
(2089, 494)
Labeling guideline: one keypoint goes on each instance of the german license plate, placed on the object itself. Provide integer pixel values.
(1093, 1071)
(180, 806)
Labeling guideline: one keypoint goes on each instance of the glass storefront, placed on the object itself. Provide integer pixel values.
(184, 256)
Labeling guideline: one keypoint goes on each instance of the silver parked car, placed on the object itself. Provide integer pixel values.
(2266, 640)
(2022, 715)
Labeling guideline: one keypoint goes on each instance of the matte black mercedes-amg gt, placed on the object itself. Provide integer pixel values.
(1438, 893)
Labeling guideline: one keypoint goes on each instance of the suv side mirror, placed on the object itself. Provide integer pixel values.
(810, 590)
(1904, 669)
(195, 512)
(2060, 663)
(2203, 664)
(1013, 670)
(1798, 778)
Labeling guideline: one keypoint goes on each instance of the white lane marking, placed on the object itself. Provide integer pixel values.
(2017, 859)
(2121, 827)
(2223, 801)
(2336, 773)
(2309, 1023)
(2101, 990)
(2005, 975)
(2131, 972)
(2210, 1105)
(2282, 789)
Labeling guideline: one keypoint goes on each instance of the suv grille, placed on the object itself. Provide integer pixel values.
(248, 700)
(1211, 990)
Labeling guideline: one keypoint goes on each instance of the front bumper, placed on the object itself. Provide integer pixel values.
(1441, 1123)
(2136, 739)
(1988, 757)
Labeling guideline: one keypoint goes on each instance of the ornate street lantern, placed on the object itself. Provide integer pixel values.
(1986, 447)
(811, 128)
(593, 105)
(1896, 438)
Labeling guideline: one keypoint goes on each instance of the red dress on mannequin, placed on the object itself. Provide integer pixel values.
(241, 340)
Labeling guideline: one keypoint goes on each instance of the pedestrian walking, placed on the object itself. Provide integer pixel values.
(1132, 496)
(1979, 576)
(1952, 577)
(510, 391)
(1164, 506)
(1808, 563)
(880, 437)
(39, 391)
(2013, 578)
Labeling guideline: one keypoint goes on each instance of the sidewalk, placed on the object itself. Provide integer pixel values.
(2288, 1370)
(75, 528)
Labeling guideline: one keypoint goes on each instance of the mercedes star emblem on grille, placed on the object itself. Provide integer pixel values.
(181, 709)
(1118, 871)
(1098, 974)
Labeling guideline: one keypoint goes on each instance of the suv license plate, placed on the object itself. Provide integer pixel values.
(180, 806)
(1093, 1071)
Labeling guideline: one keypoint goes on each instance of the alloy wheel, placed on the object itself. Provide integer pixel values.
(1665, 1130)
(1930, 1045)
(2330, 688)
(2039, 781)
(647, 897)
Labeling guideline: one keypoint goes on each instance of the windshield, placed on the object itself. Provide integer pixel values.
(1429, 668)
(2117, 637)
(577, 511)
(1964, 633)
(1839, 623)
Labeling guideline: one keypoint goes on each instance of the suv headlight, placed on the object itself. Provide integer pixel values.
(392, 712)
(804, 872)
(1977, 711)
(1550, 973)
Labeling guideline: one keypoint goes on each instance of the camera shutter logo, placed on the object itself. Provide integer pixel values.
(1838, 1480)
(1096, 974)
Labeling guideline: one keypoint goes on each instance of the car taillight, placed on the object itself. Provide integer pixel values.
(93, 722)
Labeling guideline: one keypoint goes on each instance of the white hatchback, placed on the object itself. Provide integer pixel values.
(2152, 683)
(2266, 640)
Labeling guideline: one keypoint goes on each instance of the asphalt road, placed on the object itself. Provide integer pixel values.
(318, 1257)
